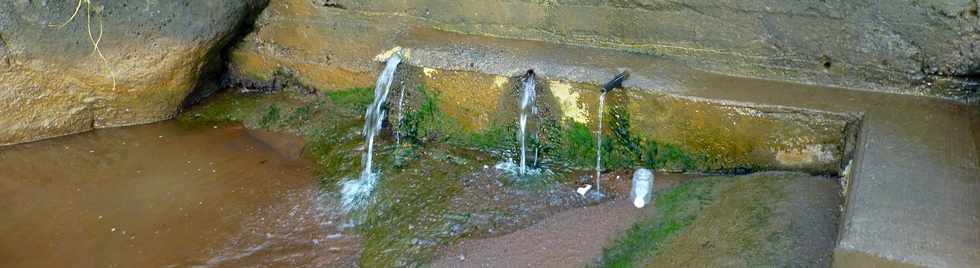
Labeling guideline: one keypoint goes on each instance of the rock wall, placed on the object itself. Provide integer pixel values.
(53, 82)
(906, 46)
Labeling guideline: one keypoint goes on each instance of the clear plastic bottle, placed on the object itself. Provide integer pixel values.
(642, 192)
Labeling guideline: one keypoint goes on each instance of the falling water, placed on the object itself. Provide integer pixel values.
(527, 107)
(355, 191)
(616, 82)
(401, 113)
(598, 140)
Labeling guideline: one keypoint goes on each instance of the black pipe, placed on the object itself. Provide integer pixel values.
(616, 82)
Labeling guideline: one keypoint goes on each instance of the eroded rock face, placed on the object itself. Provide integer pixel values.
(53, 83)
(910, 47)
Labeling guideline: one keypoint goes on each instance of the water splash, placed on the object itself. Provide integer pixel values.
(355, 192)
(527, 108)
(513, 169)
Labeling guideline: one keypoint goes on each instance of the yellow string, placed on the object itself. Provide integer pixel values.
(95, 40)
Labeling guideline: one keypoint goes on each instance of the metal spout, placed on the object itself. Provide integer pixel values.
(616, 82)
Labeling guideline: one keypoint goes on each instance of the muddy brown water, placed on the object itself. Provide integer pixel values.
(165, 196)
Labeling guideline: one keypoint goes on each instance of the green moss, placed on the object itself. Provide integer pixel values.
(578, 145)
(270, 119)
(221, 109)
(301, 115)
(426, 123)
(410, 216)
(333, 149)
(667, 157)
(355, 98)
(620, 147)
(494, 139)
(627, 145)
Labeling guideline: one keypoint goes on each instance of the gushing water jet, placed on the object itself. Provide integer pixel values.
(528, 107)
(616, 82)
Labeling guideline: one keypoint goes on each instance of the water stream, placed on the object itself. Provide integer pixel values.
(401, 113)
(598, 141)
(527, 108)
(616, 82)
(355, 191)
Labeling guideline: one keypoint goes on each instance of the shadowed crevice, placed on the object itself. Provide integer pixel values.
(214, 73)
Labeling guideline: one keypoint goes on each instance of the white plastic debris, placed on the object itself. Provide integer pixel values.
(584, 189)
(642, 192)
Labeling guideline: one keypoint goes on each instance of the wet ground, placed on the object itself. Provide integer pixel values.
(571, 238)
(163, 196)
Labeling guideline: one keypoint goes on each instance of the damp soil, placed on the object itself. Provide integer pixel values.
(564, 236)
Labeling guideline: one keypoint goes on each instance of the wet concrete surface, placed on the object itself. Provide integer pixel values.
(164, 196)
(914, 197)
